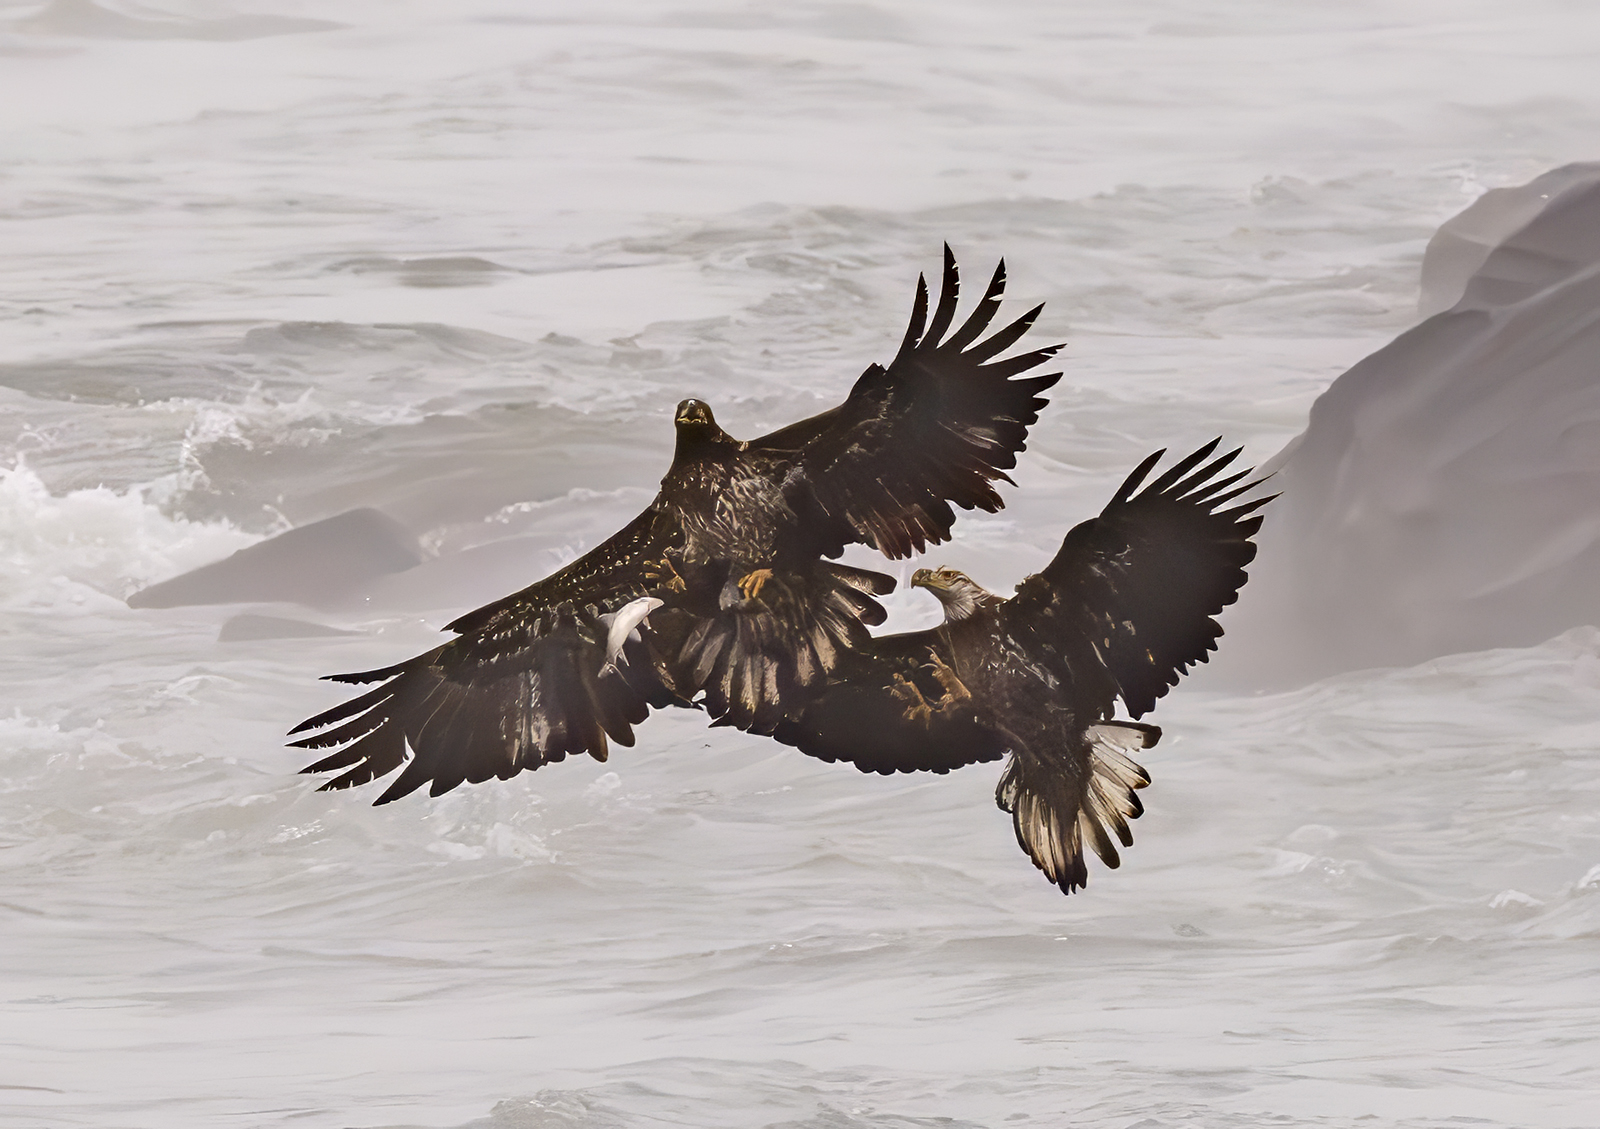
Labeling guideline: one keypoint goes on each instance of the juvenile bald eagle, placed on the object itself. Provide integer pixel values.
(1122, 611)
(731, 552)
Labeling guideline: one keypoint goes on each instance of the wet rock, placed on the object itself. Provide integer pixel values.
(1445, 495)
(322, 564)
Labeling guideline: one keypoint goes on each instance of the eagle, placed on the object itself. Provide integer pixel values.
(1121, 612)
(735, 553)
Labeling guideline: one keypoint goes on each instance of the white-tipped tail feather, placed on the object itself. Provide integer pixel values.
(1058, 807)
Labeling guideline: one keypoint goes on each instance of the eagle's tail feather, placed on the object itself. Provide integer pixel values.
(755, 657)
(1056, 808)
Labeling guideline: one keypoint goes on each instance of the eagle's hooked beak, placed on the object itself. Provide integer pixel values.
(694, 412)
(933, 579)
(957, 591)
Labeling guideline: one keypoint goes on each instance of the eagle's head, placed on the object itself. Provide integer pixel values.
(695, 413)
(697, 427)
(958, 592)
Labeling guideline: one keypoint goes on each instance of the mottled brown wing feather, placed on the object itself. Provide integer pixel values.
(619, 569)
(521, 687)
(936, 428)
(1139, 585)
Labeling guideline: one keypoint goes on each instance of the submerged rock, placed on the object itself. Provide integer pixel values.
(248, 628)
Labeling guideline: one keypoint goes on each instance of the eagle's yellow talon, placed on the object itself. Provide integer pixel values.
(664, 575)
(751, 583)
(916, 706)
(954, 689)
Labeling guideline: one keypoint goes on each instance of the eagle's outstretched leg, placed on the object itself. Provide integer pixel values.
(663, 575)
(954, 689)
(752, 582)
(917, 707)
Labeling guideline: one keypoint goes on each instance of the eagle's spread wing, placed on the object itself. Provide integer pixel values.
(530, 680)
(938, 426)
(895, 705)
(1138, 586)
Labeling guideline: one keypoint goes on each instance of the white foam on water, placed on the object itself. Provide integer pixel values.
(94, 543)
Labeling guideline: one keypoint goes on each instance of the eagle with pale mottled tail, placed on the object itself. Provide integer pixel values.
(734, 555)
(1124, 608)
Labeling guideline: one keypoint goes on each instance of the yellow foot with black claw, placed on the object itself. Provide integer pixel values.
(664, 576)
(954, 689)
(916, 706)
(751, 583)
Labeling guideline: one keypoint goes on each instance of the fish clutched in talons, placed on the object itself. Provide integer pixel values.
(624, 625)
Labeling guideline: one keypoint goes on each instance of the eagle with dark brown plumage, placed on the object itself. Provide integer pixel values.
(1124, 609)
(734, 555)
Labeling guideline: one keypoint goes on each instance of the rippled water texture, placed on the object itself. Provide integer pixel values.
(270, 263)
